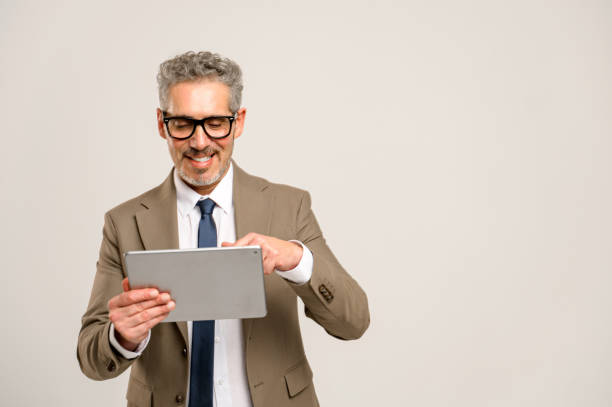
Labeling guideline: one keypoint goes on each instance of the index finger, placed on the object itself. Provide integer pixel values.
(245, 240)
(132, 297)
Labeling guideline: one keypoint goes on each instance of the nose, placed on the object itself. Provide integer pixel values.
(199, 140)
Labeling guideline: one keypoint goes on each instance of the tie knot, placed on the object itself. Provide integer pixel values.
(206, 206)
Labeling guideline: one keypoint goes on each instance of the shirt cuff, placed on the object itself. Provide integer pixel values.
(124, 352)
(303, 271)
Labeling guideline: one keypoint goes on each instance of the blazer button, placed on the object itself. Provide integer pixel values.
(179, 398)
(184, 351)
(325, 293)
(111, 366)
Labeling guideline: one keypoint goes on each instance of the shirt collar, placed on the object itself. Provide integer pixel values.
(187, 198)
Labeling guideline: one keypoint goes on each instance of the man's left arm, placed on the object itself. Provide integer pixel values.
(331, 296)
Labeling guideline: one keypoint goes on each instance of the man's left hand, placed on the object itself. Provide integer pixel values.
(277, 254)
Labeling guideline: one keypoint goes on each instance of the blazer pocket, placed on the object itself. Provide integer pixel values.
(298, 378)
(138, 394)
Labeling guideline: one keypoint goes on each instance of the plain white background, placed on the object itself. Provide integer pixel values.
(457, 153)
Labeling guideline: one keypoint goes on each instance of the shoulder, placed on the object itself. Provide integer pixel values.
(283, 208)
(134, 205)
(283, 191)
(279, 191)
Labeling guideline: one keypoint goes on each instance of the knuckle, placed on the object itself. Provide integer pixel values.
(147, 325)
(162, 309)
(150, 324)
(145, 315)
(139, 307)
(154, 312)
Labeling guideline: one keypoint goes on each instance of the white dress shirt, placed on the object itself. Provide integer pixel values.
(230, 386)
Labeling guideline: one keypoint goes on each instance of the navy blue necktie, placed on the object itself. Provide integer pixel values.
(203, 335)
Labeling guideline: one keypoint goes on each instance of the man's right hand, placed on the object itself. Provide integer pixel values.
(135, 312)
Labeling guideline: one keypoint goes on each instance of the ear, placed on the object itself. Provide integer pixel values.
(239, 122)
(161, 128)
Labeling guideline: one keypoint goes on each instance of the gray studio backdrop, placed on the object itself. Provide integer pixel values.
(457, 153)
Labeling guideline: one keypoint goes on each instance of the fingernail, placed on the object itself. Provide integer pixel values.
(153, 293)
(171, 305)
(165, 297)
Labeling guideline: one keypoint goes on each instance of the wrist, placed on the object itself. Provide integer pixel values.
(298, 252)
(127, 345)
(296, 255)
(291, 257)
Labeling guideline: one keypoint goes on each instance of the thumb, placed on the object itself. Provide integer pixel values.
(226, 244)
(125, 284)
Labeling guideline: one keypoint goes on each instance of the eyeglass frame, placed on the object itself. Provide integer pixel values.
(196, 123)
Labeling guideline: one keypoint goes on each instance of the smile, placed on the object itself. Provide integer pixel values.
(201, 162)
(201, 159)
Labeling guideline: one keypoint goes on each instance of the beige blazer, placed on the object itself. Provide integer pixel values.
(277, 369)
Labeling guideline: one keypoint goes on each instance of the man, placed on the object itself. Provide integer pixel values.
(207, 200)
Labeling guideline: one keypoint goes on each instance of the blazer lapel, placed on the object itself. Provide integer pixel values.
(251, 214)
(157, 222)
(158, 225)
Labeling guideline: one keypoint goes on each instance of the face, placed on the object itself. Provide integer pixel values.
(201, 161)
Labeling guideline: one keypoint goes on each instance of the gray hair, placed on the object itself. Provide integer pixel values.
(192, 66)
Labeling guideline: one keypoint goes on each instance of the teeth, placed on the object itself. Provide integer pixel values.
(201, 160)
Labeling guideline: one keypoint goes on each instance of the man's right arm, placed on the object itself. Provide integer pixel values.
(133, 313)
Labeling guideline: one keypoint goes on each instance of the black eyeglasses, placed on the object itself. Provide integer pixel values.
(183, 127)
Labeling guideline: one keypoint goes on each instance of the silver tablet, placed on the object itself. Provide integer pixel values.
(209, 283)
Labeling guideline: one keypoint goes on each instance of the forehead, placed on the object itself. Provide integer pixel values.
(199, 98)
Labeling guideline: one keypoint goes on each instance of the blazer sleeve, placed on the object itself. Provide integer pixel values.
(332, 297)
(97, 359)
